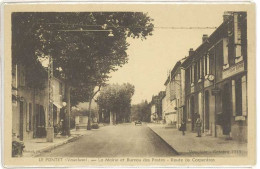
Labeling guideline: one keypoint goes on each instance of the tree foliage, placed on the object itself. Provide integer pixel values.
(157, 101)
(82, 58)
(117, 99)
(141, 111)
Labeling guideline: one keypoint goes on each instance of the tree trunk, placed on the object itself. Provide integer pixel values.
(34, 115)
(111, 117)
(114, 116)
(67, 113)
(89, 108)
(89, 115)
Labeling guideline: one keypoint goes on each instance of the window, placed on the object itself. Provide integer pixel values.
(14, 84)
(238, 57)
(22, 78)
(237, 30)
(225, 53)
(188, 109)
(29, 118)
(206, 65)
(191, 75)
(14, 75)
(201, 68)
(60, 88)
(238, 90)
(198, 70)
(237, 38)
(210, 61)
(195, 71)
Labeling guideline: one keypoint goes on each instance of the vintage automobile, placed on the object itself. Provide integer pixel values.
(138, 122)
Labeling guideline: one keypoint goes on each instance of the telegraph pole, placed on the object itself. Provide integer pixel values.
(49, 128)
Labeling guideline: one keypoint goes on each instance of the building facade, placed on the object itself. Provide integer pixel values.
(154, 115)
(216, 80)
(30, 105)
(157, 106)
(175, 95)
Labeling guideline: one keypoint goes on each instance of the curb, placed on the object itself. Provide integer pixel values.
(164, 141)
(46, 149)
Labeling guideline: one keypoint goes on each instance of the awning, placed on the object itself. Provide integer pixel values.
(170, 113)
(57, 105)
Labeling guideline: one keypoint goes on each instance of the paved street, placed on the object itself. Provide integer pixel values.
(124, 140)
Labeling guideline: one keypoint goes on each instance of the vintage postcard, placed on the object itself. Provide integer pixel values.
(129, 84)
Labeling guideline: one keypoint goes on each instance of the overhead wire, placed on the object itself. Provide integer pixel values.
(155, 27)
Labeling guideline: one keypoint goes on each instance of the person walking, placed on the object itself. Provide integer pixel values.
(198, 125)
(183, 127)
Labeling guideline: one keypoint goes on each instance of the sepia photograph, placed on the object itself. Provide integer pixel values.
(129, 84)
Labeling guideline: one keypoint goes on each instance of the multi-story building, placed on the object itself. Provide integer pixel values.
(153, 113)
(156, 106)
(175, 95)
(170, 109)
(30, 105)
(216, 80)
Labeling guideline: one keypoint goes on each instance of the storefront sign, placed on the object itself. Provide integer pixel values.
(237, 68)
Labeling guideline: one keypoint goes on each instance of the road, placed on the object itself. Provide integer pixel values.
(124, 140)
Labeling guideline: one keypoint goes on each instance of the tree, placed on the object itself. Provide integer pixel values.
(82, 59)
(157, 101)
(141, 111)
(116, 98)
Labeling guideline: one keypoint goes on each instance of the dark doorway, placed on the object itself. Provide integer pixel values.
(54, 115)
(40, 121)
(207, 110)
(192, 112)
(227, 110)
(21, 121)
(62, 121)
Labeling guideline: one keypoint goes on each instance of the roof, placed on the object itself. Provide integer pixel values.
(216, 35)
(173, 71)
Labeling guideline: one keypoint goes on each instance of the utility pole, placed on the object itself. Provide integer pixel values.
(49, 128)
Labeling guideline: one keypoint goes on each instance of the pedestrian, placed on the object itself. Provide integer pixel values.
(183, 127)
(198, 125)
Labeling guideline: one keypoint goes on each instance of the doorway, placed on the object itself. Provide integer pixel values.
(40, 121)
(55, 122)
(207, 102)
(227, 110)
(192, 113)
(21, 121)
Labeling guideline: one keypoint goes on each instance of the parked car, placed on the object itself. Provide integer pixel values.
(138, 122)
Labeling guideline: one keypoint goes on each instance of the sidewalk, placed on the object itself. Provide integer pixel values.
(37, 145)
(190, 145)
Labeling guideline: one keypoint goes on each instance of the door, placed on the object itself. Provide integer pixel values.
(193, 118)
(21, 121)
(40, 121)
(207, 110)
(54, 115)
(227, 110)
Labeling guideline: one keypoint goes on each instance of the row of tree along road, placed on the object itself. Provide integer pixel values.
(82, 58)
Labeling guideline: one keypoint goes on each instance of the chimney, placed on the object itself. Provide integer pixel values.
(226, 16)
(204, 38)
(191, 51)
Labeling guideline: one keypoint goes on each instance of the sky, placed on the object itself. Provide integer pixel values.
(151, 59)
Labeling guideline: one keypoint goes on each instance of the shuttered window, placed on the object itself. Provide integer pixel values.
(225, 53)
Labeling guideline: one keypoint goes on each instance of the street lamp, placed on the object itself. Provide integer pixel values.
(111, 33)
(64, 104)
